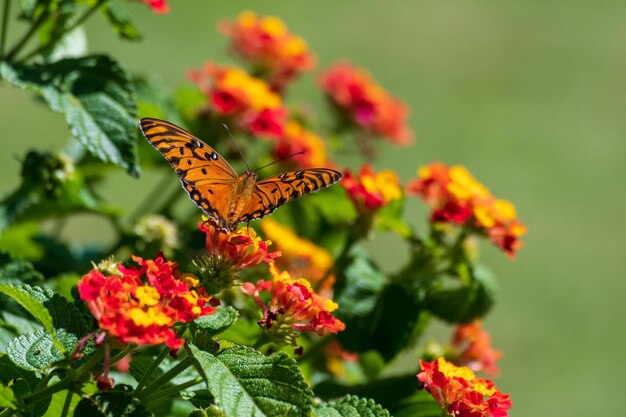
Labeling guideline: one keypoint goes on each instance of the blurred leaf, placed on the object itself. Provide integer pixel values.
(7, 398)
(350, 406)
(460, 302)
(420, 404)
(37, 352)
(18, 240)
(218, 322)
(189, 100)
(247, 383)
(389, 218)
(120, 21)
(95, 95)
(21, 270)
(51, 186)
(334, 205)
(199, 398)
(71, 45)
(358, 291)
(119, 402)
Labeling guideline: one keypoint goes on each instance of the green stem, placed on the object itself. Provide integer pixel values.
(29, 34)
(62, 33)
(5, 27)
(168, 392)
(186, 363)
(68, 402)
(7, 413)
(146, 377)
(263, 339)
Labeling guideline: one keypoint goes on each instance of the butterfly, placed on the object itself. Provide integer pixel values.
(211, 182)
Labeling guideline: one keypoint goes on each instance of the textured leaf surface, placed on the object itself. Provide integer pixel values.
(96, 97)
(247, 383)
(216, 323)
(351, 406)
(32, 299)
(36, 351)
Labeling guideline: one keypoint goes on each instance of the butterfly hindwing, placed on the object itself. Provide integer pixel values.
(205, 175)
(275, 191)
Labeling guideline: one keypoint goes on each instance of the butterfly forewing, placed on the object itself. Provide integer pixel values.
(206, 176)
(275, 191)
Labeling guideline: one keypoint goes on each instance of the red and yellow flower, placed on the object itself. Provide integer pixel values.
(293, 306)
(296, 139)
(372, 190)
(247, 101)
(457, 197)
(142, 304)
(265, 42)
(365, 103)
(300, 256)
(460, 393)
(158, 6)
(473, 346)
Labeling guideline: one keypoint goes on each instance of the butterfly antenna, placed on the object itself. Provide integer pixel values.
(236, 146)
(279, 160)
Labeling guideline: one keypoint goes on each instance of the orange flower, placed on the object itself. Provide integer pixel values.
(274, 52)
(248, 101)
(336, 357)
(370, 191)
(301, 256)
(292, 307)
(142, 305)
(158, 6)
(456, 197)
(365, 103)
(460, 393)
(296, 138)
(474, 346)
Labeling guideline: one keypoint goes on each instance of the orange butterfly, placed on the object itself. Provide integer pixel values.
(215, 187)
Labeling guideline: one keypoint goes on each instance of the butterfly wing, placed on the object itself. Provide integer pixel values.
(273, 192)
(208, 178)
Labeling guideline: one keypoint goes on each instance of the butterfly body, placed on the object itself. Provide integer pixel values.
(224, 196)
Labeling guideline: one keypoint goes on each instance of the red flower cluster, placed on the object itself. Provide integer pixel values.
(460, 393)
(274, 52)
(296, 138)
(370, 190)
(475, 351)
(247, 102)
(457, 197)
(158, 6)
(365, 103)
(240, 249)
(142, 304)
(293, 306)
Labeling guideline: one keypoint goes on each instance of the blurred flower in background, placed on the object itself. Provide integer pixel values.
(365, 104)
(371, 190)
(472, 346)
(158, 6)
(264, 42)
(295, 139)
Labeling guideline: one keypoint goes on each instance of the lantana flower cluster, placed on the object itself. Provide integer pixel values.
(365, 103)
(265, 42)
(142, 304)
(158, 6)
(370, 190)
(460, 392)
(473, 348)
(293, 306)
(308, 148)
(246, 101)
(457, 197)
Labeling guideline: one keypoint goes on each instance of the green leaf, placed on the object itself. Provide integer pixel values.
(358, 292)
(51, 186)
(18, 240)
(350, 406)
(119, 402)
(7, 398)
(21, 270)
(334, 205)
(22, 382)
(32, 299)
(389, 218)
(120, 21)
(95, 95)
(247, 383)
(218, 322)
(420, 404)
(458, 302)
(37, 352)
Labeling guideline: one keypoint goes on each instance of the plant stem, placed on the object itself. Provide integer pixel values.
(68, 402)
(5, 27)
(24, 39)
(7, 413)
(60, 35)
(166, 393)
(186, 363)
(151, 369)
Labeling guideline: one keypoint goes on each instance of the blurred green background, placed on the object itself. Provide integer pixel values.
(530, 96)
